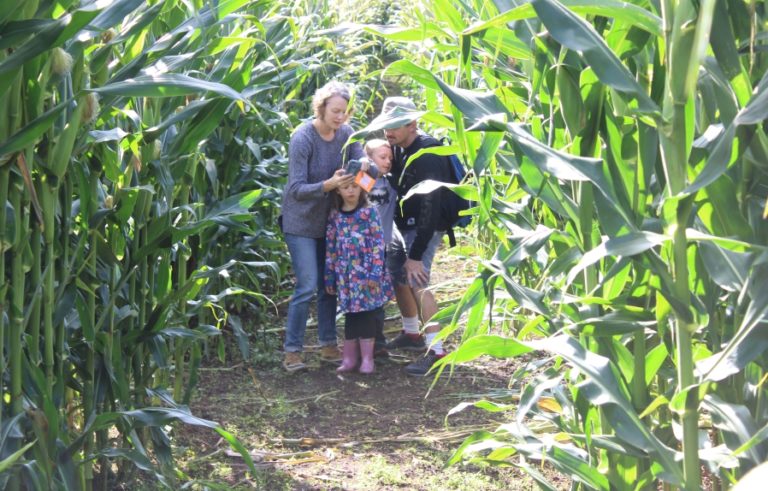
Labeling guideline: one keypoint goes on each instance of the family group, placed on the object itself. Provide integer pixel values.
(355, 250)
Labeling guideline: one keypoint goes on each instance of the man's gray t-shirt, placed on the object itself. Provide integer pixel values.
(312, 160)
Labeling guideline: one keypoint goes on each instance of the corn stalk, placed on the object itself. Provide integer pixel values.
(654, 113)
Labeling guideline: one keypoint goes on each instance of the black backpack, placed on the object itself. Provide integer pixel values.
(452, 203)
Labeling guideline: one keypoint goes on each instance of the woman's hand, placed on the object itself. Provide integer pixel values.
(330, 290)
(339, 178)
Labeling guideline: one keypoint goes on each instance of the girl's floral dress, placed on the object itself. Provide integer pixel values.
(354, 260)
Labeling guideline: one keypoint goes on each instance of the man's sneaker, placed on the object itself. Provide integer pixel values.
(420, 367)
(293, 362)
(380, 350)
(409, 342)
(330, 353)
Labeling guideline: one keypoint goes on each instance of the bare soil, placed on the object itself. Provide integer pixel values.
(316, 430)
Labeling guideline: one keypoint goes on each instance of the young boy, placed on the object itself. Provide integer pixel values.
(384, 197)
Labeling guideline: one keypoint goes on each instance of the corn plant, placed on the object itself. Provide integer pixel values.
(618, 155)
(122, 234)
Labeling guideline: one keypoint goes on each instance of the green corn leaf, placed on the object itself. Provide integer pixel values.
(487, 152)
(654, 361)
(474, 438)
(626, 12)
(166, 85)
(577, 467)
(727, 268)
(29, 134)
(410, 69)
(723, 156)
(627, 245)
(7, 462)
(240, 336)
(492, 407)
(233, 206)
(53, 35)
(659, 401)
(394, 33)
(62, 150)
(502, 40)
(721, 214)
(525, 244)
(113, 15)
(578, 35)
(185, 333)
(474, 105)
(751, 338)
(570, 101)
(601, 388)
(533, 392)
(15, 31)
(139, 459)
(189, 111)
(496, 346)
(614, 324)
(564, 166)
(466, 191)
(526, 297)
(199, 127)
(737, 426)
(226, 7)
(755, 440)
(235, 443)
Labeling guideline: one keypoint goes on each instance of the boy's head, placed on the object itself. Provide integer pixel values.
(380, 152)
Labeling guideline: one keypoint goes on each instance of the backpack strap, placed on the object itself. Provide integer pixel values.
(451, 237)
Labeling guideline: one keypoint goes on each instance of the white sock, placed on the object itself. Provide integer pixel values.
(434, 345)
(411, 325)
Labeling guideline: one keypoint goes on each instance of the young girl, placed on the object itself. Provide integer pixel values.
(355, 272)
(383, 197)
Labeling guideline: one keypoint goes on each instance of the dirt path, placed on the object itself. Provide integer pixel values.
(315, 430)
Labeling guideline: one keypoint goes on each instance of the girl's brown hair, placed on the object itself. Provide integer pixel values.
(338, 201)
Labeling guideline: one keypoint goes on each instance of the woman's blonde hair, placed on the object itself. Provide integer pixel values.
(331, 89)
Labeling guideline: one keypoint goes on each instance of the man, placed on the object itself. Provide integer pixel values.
(421, 228)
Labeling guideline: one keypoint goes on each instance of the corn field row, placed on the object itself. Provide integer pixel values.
(141, 149)
(620, 171)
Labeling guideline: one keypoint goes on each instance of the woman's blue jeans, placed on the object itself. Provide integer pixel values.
(308, 260)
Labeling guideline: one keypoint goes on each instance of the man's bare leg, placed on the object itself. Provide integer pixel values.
(428, 308)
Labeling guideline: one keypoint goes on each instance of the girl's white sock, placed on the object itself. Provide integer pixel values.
(411, 325)
(434, 345)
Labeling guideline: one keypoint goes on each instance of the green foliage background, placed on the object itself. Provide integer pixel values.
(618, 158)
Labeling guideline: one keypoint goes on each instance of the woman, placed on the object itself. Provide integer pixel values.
(315, 157)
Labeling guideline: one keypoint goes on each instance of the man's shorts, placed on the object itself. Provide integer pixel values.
(397, 254)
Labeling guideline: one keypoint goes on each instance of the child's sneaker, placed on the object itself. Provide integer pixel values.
(420, 367)
(293, 362)
(409, 342)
